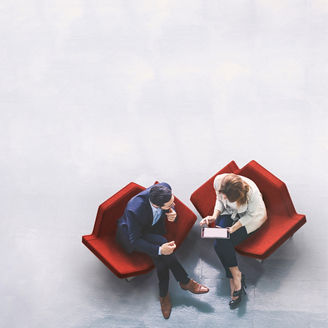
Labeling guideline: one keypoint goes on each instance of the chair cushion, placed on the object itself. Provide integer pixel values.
(275, 231)
(117, 260)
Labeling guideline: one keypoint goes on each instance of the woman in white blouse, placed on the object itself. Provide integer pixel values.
(240, 207)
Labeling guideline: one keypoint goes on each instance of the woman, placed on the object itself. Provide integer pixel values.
(240, 207)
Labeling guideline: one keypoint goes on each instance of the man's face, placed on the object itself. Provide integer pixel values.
(169, 204)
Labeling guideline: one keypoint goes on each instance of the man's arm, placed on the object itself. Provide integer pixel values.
(135, 235)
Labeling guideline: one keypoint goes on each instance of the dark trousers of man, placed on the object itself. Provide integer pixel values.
(225, 248)
(163, 263)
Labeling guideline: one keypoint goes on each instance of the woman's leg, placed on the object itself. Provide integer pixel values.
(232, 287)
(225, 249)
(223, 221)
(236, 280)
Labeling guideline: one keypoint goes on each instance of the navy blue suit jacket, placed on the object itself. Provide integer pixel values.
(137, 221)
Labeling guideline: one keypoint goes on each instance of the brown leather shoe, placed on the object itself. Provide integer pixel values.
(166, 306)
(194, 287)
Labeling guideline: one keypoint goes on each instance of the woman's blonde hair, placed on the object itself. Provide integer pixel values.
(234, 188)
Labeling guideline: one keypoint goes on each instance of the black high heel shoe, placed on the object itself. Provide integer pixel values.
(237, 293)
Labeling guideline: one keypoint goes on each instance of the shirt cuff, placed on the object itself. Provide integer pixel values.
(159, 250)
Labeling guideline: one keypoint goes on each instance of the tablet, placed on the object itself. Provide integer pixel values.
(215, 233)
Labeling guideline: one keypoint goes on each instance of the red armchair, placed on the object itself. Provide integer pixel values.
(103, 244)
(283, 221)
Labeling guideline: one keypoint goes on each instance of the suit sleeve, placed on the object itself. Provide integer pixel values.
(135, 236)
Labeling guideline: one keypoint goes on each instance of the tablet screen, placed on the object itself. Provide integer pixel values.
(215, 233)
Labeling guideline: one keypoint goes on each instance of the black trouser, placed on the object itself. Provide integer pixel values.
(164, 263)
(225, 248)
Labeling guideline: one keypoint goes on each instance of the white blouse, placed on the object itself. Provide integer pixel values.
(252, 214)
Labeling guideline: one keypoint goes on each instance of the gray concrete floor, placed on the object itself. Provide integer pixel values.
(94, 95)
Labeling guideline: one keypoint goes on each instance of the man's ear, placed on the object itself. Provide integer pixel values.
(154, 205)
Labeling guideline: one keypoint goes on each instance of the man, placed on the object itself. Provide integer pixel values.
(141, 228)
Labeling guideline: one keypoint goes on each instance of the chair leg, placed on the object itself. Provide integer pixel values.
(128, 279)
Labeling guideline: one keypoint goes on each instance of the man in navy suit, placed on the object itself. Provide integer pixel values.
(141, 228)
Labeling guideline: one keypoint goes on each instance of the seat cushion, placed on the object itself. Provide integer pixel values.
(275, 231)
(116, 259)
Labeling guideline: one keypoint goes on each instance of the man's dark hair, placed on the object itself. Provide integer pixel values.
(159, 195)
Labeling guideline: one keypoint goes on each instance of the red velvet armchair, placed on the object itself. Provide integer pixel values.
(103, 244)
(283, 221)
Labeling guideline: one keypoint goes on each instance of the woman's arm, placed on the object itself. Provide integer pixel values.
(218, 207)
(216, 213)
(210, 219)
(235, 227)
(256, 213)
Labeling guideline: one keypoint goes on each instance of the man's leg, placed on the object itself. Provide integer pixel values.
(165, 262)
(162, 267)
(171, 262)
(177, 269)
(163, 276)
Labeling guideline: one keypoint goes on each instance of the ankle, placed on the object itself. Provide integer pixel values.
(185, 282)
(237, 281)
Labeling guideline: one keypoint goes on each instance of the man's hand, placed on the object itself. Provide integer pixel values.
(208, 220)
(168, 248)
(171, 215)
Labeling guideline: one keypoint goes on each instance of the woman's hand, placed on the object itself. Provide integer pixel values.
(234, 227)
(208, 220)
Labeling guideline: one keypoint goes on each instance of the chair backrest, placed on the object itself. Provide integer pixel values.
(204, 197)
(179, 230)
(275, 194)
(112, 209)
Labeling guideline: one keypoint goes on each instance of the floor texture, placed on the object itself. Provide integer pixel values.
(94, 95)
